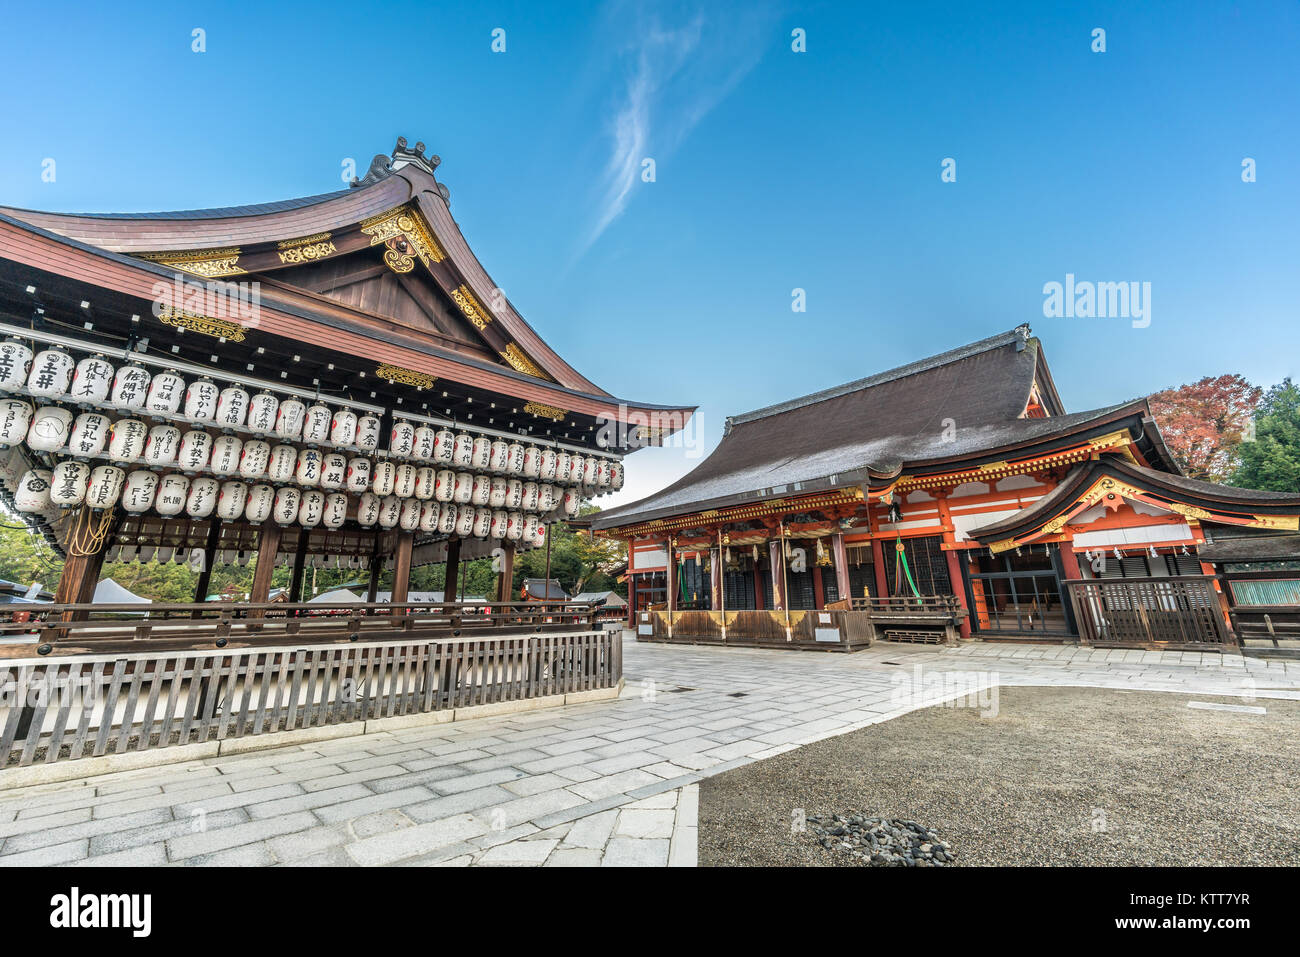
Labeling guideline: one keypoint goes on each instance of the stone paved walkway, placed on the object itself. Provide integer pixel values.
(609, 782)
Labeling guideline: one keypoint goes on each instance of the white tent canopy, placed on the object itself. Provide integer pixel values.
(109, 592)
(337, 596)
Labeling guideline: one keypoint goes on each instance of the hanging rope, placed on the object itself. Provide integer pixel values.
(902, 558)
(89, 531)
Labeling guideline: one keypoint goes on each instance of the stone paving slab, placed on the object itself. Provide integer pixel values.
(600, 783)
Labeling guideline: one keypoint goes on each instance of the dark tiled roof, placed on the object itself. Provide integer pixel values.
(1255, 548)
(550, 590)
(222, 212)
(955, 404)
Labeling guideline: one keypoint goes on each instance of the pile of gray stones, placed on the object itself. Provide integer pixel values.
(880, 841)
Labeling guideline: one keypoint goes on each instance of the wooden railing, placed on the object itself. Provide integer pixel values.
(66, 708)
(59, 630)
(1183, 610)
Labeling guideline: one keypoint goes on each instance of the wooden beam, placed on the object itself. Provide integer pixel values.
(402, 568)
(376, 566)
(878, 565)
(841, 556)
(268, 547)
(506, 577)
(453, 570)
(777, 560)
(205, 576)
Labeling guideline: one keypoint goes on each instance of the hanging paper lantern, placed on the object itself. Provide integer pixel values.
(589, 470)
(89, 433)
(549, 497)
(280, 464)
(231, 501)
(91, 380)
(368, 430)
(196, 450)
(429, 514)
(202, 498)
(201, 400)
(481, 453)
(447, 518)
(131, 386)
(139, 491)
(514, 526)
(307, 471)
(444, 447)
(515, 494)
(316, 424)
(602, 473)
(576, 467)
(500, 489)
(404, 482)
(462, 450)
(126, 440)
(360, 474)
(401, 441)
(33, 492)
(426, 480)
(616, 475)
(262, 410)
(444, 486)
(287, 500)
(532, 462)
(232, 406)
(515, 459)
(254, 458)
(68, 483)
(161, 446)
(464, 489)
(481, 490)
(499, 457)
(500, 520)
(104, 487)
(409, 519)
(289, 419)
(539, 535)
(333, 471)
(390, 511)
(173, 490)
(312, 509)
(51, 373)
(529, 503)
(572, 502)
(49, 429)
(368, 509)
(343, 427)
(261, 500)
(166, 393)
(482, 522)
(530, 528)
(385, 474)
(15, 363)
(336, 510)
(226, 450)
(15, 418)
(563, 467)
(465, 521)
(547, 470)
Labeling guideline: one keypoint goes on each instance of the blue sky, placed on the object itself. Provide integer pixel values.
(775, 170)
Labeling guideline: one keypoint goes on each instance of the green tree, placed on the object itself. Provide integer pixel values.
(1271, 461)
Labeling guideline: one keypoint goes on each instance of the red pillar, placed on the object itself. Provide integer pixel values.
(955, 560)
(878, 564)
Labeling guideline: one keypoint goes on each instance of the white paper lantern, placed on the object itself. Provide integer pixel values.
(548, 497)
(173, 490)
(196, 451)
(529, 503)
(336, 510)
(316, 425)
(104, 486)
(280, 464)
(15, 418)
(401, 441)
(202, 498)
(445, 485)
(91, 380)
(410, 517)
(226, 450)
(15, 363)
(201, 400)
(499, 456)
(482, 522)
(232, 406)
(368, 509)
(368, 429)
(262, 410)
(447, 518)
(333, 471)
(33, 492)
(563, 467)
(572, 502)
(261, 500)
(404, 482)
(481, 491)
(589, 470)
(50, 428)
(576, 465)
(360, 474)
(500, 521)
(515, 461)
(343, 428)
(429, 514)
(465, 521)
(385, 474)
(289, 419)
(426, 480)
(426, 437)
(463, 450)
(530, 528)
(126, 440)
(532, 462)
(312, 509)
(51, 373)
(390, 511)
(616, 475)
(464, 489)
(481, 455)
(166, 393)
(254, 458)
(68, 483)
(444, 447)
(287, 500)
(162, 445)
(547, 471)
(514, 526)
(131, 386)
(307, 472)
(602, 473)
(232, 500)
(139, 491)
(515, 495)
(500, 489)
(539, 535)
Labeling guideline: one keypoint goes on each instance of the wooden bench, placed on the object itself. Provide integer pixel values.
(929, 619)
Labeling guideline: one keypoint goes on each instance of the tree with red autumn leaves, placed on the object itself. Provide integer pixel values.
(1203, 423)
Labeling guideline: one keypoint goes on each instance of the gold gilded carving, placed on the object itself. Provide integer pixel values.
(520, 362)
(305, 252)
(192, 322)
(1190, 511)
(208, 263)
(420, 380)
(1002, 546)
(474, 312)
(304, 240)
(404, 223)
(1286, 522)
(544, 411)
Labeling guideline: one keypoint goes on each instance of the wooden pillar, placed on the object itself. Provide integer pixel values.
(841, 556)
(777, 561)
(299, 560)
(376, 566)
(506, 577)
(401, 571)
(955, 561)
(88, 538)
(209, 558)
(715, 579)
(268, 547)
(878, 565)
(450, 581)
(819, 589)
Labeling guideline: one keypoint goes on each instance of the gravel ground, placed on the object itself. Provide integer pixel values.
(1059, 776)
